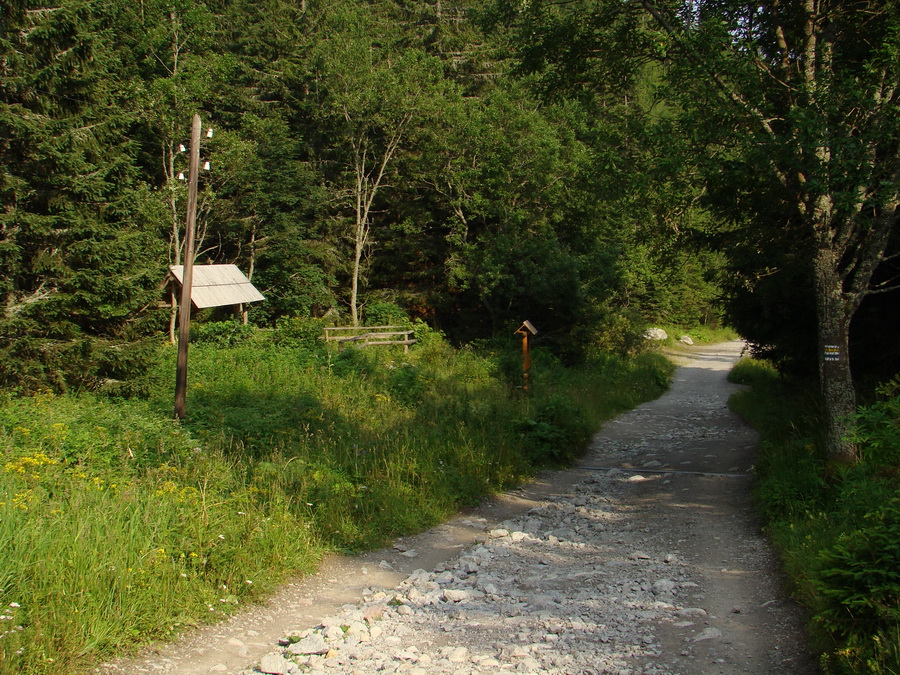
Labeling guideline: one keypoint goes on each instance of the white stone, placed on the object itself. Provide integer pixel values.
(275, 664)
(708, 634)
(458, 655)
(312, 644)
(456, 595)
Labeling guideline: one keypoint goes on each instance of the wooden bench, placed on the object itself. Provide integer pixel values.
(366, 336)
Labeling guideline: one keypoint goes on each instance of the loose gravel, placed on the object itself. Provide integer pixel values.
(570, 587)
(620, 574)
(647, 559)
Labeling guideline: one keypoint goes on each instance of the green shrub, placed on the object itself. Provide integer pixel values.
(878, 428)
(752, 371)
(620, 331)
(792, 481)
(220, 333)
(837, 527)
(427, 337)
(300, 331)
(383, 313)
(859, 586)
(353, 360)
(408, 383)
(555, 432)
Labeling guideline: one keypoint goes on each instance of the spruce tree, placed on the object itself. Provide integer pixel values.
(75, 266)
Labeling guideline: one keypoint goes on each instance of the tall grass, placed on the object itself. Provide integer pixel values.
(119, 526)
(837, 527)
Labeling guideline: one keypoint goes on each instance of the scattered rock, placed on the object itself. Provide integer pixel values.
(579, 584)
(312, 644)
(458, 655)
(708, 634)
(663, 586)
(275, 664)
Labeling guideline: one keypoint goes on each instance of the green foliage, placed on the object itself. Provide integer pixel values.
(382, 313)
(554, 433)
(220, 333)
(428, 338)
(753, 372)
(76, 263)
(619, 330)
(859, 583)
(494, 203)
(119, 526)
(298, 331)
(837, 527)
(878, 428)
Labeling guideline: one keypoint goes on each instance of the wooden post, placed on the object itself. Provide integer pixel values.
(526, 329)
(526, 360)
(187, 275)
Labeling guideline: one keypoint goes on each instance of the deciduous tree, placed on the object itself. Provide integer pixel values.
(798, 99)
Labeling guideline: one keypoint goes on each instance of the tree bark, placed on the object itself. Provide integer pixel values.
(834, 313)
(359, 245)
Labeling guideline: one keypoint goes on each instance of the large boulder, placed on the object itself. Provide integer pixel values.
(656, 334)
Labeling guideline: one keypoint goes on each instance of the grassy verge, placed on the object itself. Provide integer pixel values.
(119, 526)
(838, 528)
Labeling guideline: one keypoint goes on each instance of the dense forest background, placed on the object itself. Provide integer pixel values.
(384, 143)
(465, 164)
(594, 166)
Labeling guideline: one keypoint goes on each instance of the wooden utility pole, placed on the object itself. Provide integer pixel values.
(184, 317)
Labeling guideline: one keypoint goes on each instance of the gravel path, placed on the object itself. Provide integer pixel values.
(645, 559)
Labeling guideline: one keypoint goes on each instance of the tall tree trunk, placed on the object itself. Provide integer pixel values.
(834, 313)
(359, 245)
(244, 313)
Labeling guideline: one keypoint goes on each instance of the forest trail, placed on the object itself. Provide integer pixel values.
(647, 558)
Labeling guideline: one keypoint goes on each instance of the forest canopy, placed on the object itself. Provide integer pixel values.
(471, 165)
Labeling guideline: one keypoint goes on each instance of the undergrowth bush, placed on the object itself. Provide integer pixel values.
(878, 428)
(119, 526)
(838, 528)
(554, 433)
(220, 333)
(297, 331)
(859, 583)
(384, 313)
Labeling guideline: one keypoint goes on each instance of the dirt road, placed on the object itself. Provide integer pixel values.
(647, 558)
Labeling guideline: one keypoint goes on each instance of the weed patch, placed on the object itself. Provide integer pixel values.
(838, 528)
(119, 526)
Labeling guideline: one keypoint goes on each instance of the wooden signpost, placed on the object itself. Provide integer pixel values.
(526, 329)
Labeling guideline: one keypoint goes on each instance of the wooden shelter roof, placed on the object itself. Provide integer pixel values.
(218, 285)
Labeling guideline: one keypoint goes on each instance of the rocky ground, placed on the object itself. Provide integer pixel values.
(645, 559)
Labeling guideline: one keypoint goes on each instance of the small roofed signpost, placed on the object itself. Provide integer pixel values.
(526, 329)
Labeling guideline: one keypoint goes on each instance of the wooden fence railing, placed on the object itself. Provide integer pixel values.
(366, 336)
